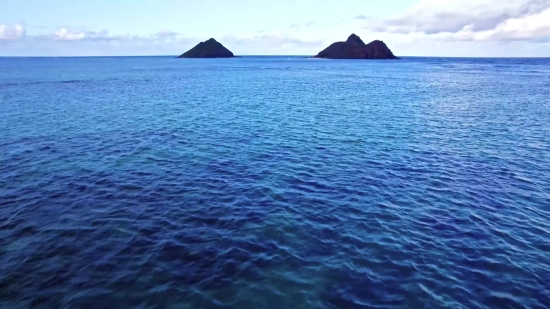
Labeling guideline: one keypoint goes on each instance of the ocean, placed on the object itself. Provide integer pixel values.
(274, 182)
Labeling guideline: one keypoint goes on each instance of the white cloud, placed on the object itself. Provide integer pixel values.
(271, 40)
(166, 34)
(473, 20)
(66, 35)
(529, 28)
(299, 26)
(70, 35)
(11, 32)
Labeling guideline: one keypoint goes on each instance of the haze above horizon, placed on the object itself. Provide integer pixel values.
(454, 28)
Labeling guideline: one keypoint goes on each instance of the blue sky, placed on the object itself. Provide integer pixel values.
(284, 27)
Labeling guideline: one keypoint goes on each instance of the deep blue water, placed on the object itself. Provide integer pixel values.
(154, 182)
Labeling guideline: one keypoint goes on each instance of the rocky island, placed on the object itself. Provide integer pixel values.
(355, 48)
(208, 49)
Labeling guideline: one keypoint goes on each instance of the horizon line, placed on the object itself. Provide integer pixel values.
(237, 56)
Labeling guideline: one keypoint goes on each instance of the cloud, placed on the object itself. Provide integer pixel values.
(11, 32)
(271, 40)
(91, 42)
(360, 17)
(69, 35)
(298, 26)
(166, 34)
(474, 20)
(64, 34)
(533, 28)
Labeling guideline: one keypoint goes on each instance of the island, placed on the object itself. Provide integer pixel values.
(208, 49)
(355, 48)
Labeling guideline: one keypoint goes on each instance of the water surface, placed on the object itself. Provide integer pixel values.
(279, 182)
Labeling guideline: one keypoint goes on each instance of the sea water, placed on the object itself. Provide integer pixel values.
(274, 182)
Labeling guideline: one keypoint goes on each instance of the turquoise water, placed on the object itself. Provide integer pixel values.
(275, 182)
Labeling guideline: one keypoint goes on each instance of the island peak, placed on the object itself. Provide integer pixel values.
(355, 48)
(208, 49)
(355, 39)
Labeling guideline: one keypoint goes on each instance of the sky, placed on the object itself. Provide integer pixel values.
(454, 28)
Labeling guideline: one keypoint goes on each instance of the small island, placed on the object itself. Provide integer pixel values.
(355, 48)
(208, 49)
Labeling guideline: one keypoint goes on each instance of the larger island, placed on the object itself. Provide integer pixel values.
(355, 48)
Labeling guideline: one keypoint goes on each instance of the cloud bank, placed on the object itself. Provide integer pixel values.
(73, 41)
(69, 35)
(472, 20)
(271, 40)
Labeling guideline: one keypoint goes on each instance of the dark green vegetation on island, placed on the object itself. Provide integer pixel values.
(208, 49)
(355, 48)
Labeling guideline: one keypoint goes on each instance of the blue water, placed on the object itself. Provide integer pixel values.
(154, 182)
